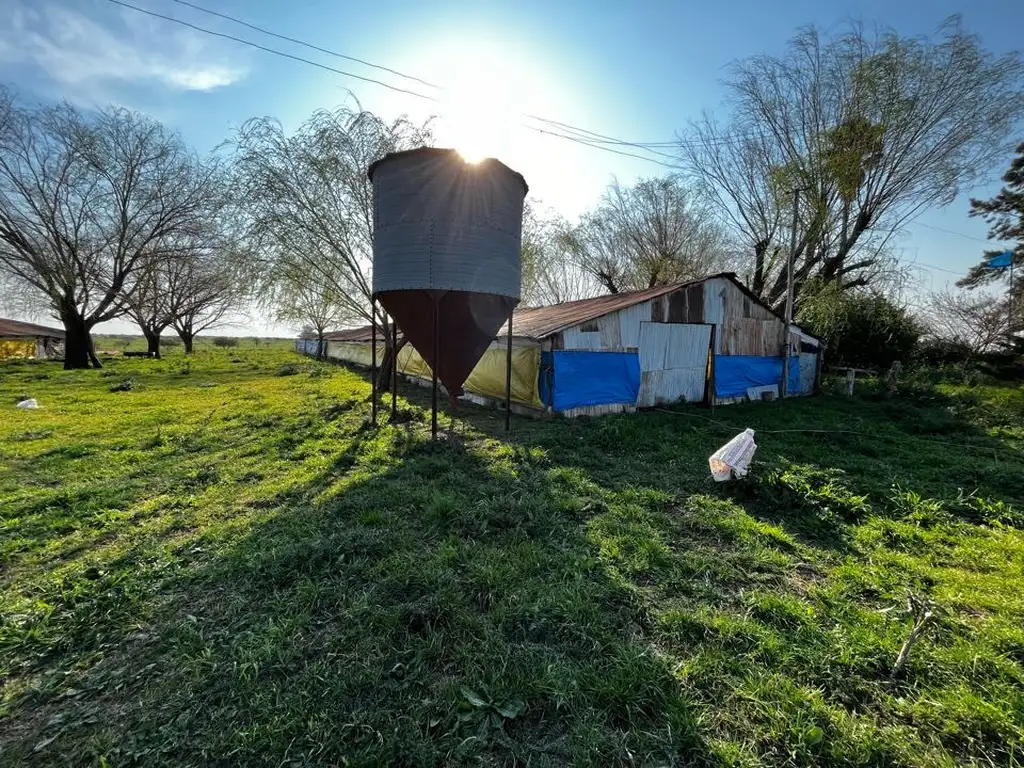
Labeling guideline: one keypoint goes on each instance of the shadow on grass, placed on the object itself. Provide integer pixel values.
(575, 592)
(366, 619)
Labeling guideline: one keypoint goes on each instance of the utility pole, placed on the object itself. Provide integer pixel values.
(789, 297)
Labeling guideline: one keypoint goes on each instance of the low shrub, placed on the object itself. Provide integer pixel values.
(225, 341)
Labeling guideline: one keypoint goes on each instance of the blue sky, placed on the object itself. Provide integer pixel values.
(637, 71)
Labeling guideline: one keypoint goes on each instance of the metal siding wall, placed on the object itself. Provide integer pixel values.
(630, 319)
(673, 362)
(616, 330)
(442, 224)
(714, 309)
(808, 369)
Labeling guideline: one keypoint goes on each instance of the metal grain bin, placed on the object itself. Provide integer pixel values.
(446, 253)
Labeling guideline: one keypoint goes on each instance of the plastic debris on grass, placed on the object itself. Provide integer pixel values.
(733, 458)
(30, 404)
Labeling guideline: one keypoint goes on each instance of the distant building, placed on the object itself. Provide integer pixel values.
(708, 340)
(28, 340)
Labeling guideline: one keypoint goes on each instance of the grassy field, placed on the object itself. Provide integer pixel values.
(216, 562)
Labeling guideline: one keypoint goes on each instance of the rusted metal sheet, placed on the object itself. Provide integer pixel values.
(742, 336)
(673, 362)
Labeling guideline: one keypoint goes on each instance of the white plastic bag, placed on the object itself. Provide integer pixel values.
(30, 403)
(733, 458)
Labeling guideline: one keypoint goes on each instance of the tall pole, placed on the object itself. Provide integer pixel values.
(789, 296)
(373, 360)
(1013, 299)
(394, 369)
(508, 376)
(433, 371)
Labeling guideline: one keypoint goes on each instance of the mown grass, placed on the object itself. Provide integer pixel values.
(222, 564)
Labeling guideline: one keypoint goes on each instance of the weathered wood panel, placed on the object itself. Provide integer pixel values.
(743, 336)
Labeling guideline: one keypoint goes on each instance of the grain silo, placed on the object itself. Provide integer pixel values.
(446, 254)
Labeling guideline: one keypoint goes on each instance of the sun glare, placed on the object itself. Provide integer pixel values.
(483, 101)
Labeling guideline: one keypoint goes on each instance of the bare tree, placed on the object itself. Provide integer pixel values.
(869, 128)
(87, 202)
(148, 305)
(980, 323)
(654, 233)
(202, 290)
(551, 275)
(312, 304)
(308, 203)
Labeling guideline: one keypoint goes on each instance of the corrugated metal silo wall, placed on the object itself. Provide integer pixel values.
(444, 224)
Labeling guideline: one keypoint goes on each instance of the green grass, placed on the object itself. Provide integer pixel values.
(222, 564)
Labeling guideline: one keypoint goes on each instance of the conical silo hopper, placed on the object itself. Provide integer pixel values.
(446, 253)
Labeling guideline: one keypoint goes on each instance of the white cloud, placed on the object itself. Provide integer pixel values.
(75, 49)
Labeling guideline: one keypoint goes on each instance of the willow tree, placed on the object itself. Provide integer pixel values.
(308, 204)
(88, 202)
(867, 129)
(653, 233)
(551, 274)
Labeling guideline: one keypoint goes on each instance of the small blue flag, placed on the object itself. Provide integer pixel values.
(1000, 260)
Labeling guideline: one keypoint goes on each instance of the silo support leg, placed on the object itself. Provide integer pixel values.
(508, 376)
(394, 369)
(373, 360)
(437, 362)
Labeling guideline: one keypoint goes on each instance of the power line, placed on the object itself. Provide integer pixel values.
(270, 50)
(584, 136)
(303, 43)
(577, 139)
(958, 234)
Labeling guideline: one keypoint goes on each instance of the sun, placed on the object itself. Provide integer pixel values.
(482, 102)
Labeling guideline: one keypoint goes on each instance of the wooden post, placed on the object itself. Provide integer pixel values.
(784, 389)
(851, 376)
(709, 380)
(394, 369)
(373, 360)
(508, 376)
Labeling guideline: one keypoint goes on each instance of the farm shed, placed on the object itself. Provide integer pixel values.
(28, 340)
(701, 341)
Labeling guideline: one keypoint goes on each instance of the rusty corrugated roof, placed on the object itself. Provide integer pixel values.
(541, 322)
(18, 328)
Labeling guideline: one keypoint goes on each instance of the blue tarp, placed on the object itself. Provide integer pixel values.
(734, 374)
(594, 378)
(1000, 260)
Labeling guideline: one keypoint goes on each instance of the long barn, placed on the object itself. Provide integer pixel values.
(709, 340)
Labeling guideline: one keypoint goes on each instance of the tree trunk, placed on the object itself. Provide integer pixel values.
(186, 339)
(320, 346)
(759, 251)
(384, 372)
(92, 352)
(152, 343)
(78, 351)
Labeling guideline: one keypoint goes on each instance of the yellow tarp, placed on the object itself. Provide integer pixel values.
(17, 348)
(487, 378)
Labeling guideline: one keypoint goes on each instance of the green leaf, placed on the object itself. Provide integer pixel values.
(473, 697)
(814, 736)
(512, 708)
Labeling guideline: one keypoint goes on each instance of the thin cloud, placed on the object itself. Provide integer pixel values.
(75, 49)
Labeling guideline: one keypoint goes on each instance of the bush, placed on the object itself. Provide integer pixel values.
(225, 341)
(860, 328)
(126, 385)
(170, 341)
(288, 369)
